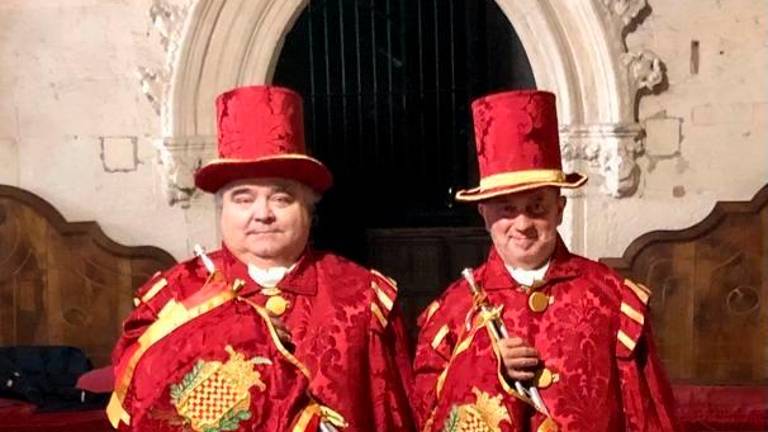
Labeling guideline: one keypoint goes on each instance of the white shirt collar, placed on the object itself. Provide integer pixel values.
(269, 277)
(528, 277)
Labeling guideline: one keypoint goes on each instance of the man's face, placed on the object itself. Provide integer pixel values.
(523, 225)
(266, 222)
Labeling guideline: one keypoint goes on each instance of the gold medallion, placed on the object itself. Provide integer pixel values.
(277, 305)
(538, 301)
(544, 378)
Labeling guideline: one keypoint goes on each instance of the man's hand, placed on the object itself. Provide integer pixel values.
(282, 331)
(520, 359)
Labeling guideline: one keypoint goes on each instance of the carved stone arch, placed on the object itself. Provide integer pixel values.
(227, 43)
(576, 49)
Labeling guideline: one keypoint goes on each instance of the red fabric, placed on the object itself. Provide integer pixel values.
(516, 134)
(259, 121)
(101, 380)
(575, 337)
(713, 408)
(458, 389)
(355, 368)
(261, 134)
(516, 131)
(21, 417)
(276, 397)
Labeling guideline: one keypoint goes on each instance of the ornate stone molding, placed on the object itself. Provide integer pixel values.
(576, 49)
(153, 84)
(179, 158)
(626, 10)
(609, 149)
(168, 20)
(640, 71)
(643, 68)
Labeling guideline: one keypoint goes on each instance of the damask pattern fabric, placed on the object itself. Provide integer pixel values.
(348, 334)
(605, 372)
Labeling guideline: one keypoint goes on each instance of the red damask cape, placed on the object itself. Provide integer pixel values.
(593, 336)
(347, 332)
(208, 362)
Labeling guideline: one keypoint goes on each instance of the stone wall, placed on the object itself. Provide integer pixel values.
(706, 128)
(75, 126)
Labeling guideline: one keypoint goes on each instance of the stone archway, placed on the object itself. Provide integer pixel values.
(576, 49)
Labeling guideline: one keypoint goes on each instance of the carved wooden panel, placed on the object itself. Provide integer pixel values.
(65, 282)
(709, 307)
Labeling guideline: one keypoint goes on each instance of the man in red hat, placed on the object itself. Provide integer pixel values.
(332, 326)
(536, 338)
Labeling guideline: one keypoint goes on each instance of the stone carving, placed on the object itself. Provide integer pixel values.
(611, 149)
(168, 19)
(644, 69)
(179, 159)
(153, 83)
(627, 10)
(621, 143)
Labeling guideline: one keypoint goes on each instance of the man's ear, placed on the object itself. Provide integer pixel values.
(561, 201)
(482, 209)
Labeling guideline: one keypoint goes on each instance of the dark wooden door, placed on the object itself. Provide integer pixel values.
(387, 86)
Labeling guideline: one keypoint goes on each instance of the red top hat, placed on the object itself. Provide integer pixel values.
(261, 134)
(517, 145)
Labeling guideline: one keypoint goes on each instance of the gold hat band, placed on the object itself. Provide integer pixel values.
(522, 177)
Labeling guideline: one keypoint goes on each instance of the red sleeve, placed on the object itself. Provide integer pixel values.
(646, 393)
(433, 351)
(149, 298)
(391, 377)
(389, 361)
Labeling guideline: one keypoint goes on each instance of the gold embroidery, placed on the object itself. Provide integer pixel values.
(216, 395)
(171, 317)
(485, 415)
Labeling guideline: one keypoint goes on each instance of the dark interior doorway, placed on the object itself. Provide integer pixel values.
(387, 86)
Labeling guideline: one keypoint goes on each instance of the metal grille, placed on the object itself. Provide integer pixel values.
(387, 86)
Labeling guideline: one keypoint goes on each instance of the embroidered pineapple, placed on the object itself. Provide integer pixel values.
(485, 415)
(215, 396)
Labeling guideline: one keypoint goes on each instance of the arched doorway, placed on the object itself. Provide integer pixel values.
(575, 49)
(387, 87)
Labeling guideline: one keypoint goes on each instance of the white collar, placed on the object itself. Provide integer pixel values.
(528, 277)
(269, 277)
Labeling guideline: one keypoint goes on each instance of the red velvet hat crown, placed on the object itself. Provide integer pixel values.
(517, 145)
(261, 134)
